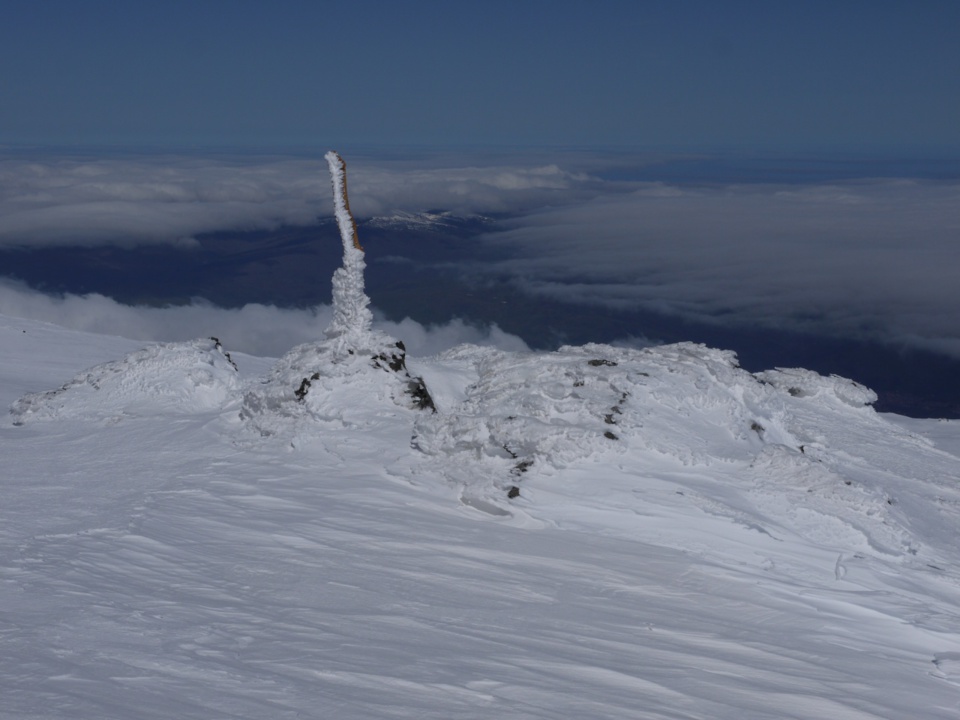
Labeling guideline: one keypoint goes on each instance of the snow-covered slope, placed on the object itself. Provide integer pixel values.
(173, 378)
(682, 426)
(591, 533)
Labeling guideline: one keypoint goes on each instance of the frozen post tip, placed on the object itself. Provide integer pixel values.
(341, 202)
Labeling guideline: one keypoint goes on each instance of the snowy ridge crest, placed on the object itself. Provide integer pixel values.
(806, 383)
(190, 377)
(529, 422)
(324, 383)
(687, 402)
(785, 451)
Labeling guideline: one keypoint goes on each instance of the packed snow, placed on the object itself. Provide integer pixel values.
(185, 538)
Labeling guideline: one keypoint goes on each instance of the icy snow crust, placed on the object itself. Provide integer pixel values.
(684, 539)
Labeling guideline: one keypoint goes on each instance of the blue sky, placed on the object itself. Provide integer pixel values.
(852, 75)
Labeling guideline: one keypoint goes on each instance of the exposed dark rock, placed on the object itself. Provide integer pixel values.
(422, 399)
(513, 491)
(301, 392)
(395, 362)
(599, 361)
(218, 346)
(521, 467)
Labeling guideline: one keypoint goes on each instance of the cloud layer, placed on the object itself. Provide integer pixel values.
(874, 258)
(255, 329)
(169, 199)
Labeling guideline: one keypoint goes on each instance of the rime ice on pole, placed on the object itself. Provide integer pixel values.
(336, 381)
(351, 314)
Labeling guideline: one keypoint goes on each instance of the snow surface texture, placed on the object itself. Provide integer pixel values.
(188, 377)
(182, 539)
(325, 385)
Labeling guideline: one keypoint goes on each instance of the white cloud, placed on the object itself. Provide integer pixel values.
(424, 340)
(874, 258)
(169, 199)
(133, 201)
(867, 258)
(262, 330)
(381, 190)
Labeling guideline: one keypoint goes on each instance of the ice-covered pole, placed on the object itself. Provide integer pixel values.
(351, 314)
(341, 203)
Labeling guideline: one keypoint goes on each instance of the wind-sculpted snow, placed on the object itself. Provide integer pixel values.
(788, 451)
(806, 383)
(332, 383)
(687, 404)
(594, 532)
(190, 377)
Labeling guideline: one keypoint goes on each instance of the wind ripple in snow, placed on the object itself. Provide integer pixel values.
(739, 550)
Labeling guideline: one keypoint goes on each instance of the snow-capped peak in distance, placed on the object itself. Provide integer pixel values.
(591, 532)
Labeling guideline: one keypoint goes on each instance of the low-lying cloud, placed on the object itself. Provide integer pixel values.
(132, 201)
(875, 259)
(867, 258)
(262, 330)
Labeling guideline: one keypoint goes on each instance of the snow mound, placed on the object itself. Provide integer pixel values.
(806, 383)
(188, 377)
(334, 383)
(601, 429)
(822, 505)
(531, 412)
(528, 409)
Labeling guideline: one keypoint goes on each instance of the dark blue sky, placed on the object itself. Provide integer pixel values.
(871, 74)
